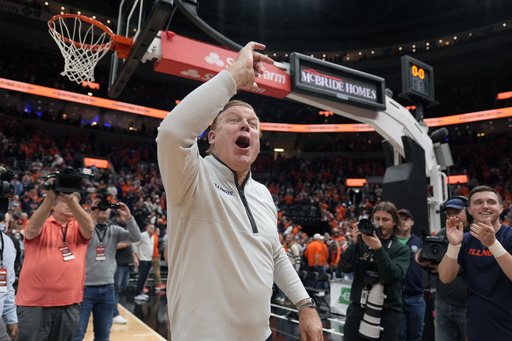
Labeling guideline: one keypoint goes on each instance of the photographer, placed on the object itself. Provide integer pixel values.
(9, 321)
(51, 281)
(378, 260)
(100, 266)
(450, 305)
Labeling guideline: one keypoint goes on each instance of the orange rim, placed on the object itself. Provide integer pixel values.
(122, 45)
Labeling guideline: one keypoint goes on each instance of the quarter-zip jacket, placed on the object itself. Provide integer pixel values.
(224, 249)
(242, 196)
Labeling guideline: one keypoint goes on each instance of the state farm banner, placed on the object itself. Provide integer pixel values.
(189, 58)
(340, 296)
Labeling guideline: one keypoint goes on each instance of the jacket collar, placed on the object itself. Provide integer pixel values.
(227, 171)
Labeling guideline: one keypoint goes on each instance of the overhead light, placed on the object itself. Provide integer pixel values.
(278, 150)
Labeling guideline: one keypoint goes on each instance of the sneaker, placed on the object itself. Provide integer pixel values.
(145, 290)
(119, 320)
(160, 287)
(141, 297)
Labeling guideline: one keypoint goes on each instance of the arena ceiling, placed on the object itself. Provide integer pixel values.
(321, 25)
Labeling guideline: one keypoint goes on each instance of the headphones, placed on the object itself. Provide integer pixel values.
(460, 197)
(465, 201)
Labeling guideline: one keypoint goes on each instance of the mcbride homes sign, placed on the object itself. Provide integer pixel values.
(319, 78)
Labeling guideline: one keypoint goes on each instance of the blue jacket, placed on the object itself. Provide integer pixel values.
(413, 282)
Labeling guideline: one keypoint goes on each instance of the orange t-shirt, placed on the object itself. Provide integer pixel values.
(46, 279)
(317, 247)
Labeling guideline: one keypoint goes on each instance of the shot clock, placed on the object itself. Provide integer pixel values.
(417, 81)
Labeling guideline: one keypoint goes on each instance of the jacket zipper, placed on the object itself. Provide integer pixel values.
(248, 210)
(246, 204)
(242, 196)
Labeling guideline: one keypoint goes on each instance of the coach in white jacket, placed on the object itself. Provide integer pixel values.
(224, 250)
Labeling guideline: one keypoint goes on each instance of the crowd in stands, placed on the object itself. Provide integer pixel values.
(310, 193)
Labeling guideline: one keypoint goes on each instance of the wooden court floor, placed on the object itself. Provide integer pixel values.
(135, 329)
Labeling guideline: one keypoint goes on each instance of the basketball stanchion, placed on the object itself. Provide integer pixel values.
(83, 41)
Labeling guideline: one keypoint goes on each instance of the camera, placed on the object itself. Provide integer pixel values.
(366, 226)
(369, 327)
(67, 181)
(433, 249)
(6, 188)
(104, 204)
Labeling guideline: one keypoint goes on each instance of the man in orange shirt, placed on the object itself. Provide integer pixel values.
(317, 254)
(51, 281)
(155, 262)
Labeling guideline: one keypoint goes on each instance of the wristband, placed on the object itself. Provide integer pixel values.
(497, 249)
(453, 251)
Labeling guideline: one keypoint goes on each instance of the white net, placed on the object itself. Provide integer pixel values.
(82, 45)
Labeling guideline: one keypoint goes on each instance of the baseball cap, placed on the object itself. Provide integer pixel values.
(456, 203)
(318, 236)
(406, 212)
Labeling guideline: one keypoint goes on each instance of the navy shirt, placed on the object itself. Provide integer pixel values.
(413, 282)
(489, 290)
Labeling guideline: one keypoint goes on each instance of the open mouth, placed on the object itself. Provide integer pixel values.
(242, 142)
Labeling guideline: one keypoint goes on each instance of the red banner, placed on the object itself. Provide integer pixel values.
(193, 59)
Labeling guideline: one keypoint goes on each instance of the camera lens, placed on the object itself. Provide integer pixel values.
(434, 249)
(366, 226)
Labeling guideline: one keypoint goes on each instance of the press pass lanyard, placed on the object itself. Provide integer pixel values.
(372, 277)
(3, 270)
(2, 251)
(100, 250)
(66, 253)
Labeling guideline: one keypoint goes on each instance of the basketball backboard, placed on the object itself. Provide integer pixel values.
(140, 20)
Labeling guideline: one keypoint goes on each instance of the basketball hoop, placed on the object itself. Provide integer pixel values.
(83, 41)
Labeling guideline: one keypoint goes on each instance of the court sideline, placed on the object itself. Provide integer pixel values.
(135, 329)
